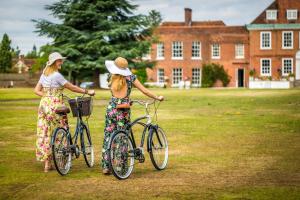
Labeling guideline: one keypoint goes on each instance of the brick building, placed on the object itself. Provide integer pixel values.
(185, 46)
(274, 40)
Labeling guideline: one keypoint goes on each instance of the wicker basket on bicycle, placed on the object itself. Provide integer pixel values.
(82, 105)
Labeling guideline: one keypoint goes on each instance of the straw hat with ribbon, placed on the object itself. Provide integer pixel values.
(118, 66)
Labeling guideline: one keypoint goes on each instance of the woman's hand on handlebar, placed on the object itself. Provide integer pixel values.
(91, 92)
(160, 98)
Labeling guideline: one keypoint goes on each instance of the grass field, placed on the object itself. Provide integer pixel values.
(224, 144)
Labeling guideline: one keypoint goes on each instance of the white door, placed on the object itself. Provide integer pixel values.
(297, 71)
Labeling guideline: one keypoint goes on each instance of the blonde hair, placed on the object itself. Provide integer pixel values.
(117, 82)
(50, 69)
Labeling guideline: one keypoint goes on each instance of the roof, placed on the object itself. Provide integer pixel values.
(281, 6)
(199, 30)
(194, 24)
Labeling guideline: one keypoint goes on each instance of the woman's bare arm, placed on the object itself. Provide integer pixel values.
(145, 91)
(77, 89)
(38, 89)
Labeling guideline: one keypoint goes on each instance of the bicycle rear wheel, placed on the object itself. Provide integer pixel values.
(121, 156)
(87, 147)
(61, 151)
(159, 148)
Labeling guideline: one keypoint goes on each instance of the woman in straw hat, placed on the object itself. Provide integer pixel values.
(50, 88)
(118, 111)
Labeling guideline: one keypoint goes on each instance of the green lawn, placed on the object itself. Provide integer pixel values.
(224, 144)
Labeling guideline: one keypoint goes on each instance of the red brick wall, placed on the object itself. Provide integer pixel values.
(207, 39)
(276, 53)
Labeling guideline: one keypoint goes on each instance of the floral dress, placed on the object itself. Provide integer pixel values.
(48, 120)
(116, 119)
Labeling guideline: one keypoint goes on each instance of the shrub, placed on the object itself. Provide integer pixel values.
(213, 72)
(141, 75)
(252, 72)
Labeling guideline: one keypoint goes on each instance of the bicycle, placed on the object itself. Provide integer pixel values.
(123, 150)
(64, 146)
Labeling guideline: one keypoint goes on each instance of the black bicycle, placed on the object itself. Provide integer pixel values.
(64, 146)
(123, 149)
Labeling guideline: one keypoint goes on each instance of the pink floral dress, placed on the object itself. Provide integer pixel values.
(48, 120)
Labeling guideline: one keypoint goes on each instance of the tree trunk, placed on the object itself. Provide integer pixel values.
(96, 78)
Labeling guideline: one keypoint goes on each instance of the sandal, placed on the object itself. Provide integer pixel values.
(106, 172)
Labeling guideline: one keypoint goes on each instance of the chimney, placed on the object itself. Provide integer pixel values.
(188, 16)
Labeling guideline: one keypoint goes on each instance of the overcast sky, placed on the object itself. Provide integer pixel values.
(16, 15)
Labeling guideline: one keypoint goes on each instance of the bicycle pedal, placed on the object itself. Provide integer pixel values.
(141, 159)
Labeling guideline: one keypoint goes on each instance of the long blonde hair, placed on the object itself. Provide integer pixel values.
(117, 82)
(50, 69)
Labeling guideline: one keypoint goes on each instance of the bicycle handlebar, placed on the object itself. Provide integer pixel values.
(68, 98)
(143, 103)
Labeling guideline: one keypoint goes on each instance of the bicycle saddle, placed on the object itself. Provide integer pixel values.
(62, 110)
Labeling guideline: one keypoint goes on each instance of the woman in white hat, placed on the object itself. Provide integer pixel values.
(50, 88)
(118, 110)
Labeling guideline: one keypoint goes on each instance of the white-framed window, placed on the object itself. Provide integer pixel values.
(271, 14)
(287, 66)
(215, 51)
(265, 66)
(265, 40)
(177, 50)
(160, 51)
(292, 14)
(177, 75)
(196, 50)
(239, 51)
(196, 77)
(160, 75)
(287, 39)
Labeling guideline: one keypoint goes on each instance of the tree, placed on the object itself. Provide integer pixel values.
(92, 31)
(15, 52)
(5, 54)
(41, 58)
(33, 53)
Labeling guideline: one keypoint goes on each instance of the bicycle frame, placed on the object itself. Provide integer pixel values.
(79, 127)
(148, 126)
(79, 124)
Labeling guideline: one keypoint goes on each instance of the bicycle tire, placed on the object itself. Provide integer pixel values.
(158, 140)
(120, 150)
(61, 152)
(87, 147)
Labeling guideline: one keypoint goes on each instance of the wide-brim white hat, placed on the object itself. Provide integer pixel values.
(116, 67)
(54, 57)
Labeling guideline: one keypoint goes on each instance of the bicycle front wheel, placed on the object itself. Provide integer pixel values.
(159, 148)
(61, 151)
(121, 156)
(87, 147)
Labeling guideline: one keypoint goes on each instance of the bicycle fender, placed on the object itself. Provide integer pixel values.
(152, 128)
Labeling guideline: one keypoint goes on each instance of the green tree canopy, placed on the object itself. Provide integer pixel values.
(5, 54)
(92, 31)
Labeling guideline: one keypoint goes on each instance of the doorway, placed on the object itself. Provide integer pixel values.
(241, 78)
